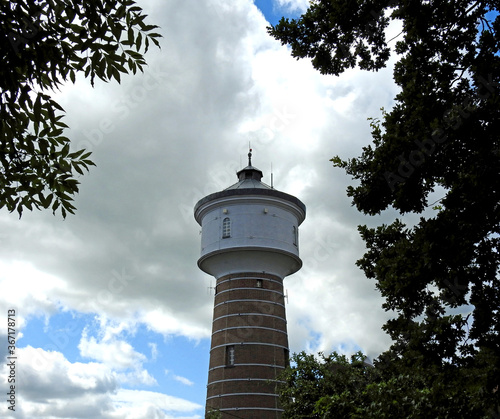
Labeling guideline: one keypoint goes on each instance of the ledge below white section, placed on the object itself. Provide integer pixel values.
(250, 259)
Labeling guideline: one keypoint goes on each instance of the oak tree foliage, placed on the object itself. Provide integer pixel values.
(43, 44)
(438, 147)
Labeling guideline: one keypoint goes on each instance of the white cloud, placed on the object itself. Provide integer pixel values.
(154, 350)
(146, 404)
(50, 386)
(161, 321)
(162, 141)
(19, 276)
(183, 380)
(136, 377)
(294, 5)
(118, 354)
(133, 244)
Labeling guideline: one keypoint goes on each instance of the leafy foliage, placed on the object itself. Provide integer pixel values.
(310, 381)
(441, 276)
(337, 387)
(44, 44)
(338, 35)
(213, 414)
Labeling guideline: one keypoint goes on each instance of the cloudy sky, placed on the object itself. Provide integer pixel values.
(112, 314)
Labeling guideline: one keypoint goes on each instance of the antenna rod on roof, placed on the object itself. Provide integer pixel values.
(272, 187)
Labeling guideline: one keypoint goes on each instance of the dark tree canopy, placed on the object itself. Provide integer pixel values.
(43, 44)
(442, 136)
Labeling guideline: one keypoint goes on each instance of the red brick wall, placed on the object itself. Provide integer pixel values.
(249, 314)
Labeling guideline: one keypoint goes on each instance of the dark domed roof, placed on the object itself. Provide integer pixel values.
(249, 183)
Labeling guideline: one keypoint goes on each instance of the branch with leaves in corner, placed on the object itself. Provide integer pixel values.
(43, 45)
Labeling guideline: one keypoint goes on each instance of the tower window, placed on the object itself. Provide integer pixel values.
(259, 283)
(230, 355)
(226, 228)
(295, 236)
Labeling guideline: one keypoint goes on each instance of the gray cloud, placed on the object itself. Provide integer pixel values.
(163, 140)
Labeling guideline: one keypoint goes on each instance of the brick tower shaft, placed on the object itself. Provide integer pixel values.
(249, 346)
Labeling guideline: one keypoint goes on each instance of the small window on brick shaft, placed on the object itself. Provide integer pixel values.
(259, 283)
(230, 355)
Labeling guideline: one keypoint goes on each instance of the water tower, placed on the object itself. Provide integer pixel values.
(249, 243)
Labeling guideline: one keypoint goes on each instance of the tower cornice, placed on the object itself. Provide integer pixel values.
(217, 197)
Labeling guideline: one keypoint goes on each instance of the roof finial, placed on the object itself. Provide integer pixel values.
(249, 155)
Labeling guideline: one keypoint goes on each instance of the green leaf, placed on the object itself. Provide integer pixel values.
(76, 166)
(65, 151)
(76, 154)
(116, 74)
(138, 41)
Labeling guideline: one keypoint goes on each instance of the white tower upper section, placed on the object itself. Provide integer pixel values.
(249, 227)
